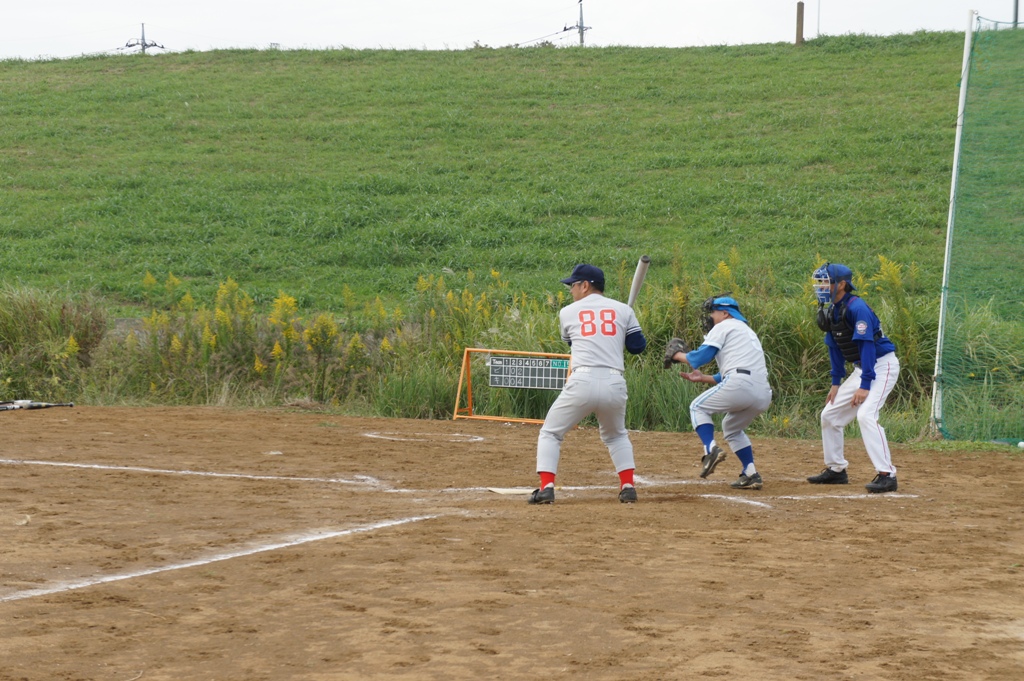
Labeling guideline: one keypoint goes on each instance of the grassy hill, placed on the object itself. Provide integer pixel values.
(312, 171)
(425, 202)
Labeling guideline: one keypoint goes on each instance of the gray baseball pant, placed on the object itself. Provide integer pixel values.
(592, 390)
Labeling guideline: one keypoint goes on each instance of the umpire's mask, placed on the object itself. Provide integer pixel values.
(822, 285)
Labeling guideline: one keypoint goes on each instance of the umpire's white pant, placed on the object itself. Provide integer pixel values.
(592, 390)
(741, 397)
(837, 415)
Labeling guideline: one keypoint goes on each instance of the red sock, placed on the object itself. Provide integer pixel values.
(625, 477)
(546, 479)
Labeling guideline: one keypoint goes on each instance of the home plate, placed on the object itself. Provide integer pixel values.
(510, 490)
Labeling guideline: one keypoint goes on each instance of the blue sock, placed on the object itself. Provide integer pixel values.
(746, 457)
(706, 433)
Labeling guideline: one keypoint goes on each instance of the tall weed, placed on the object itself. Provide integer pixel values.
(405, 360)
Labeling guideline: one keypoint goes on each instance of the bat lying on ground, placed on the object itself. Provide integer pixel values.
(32, 404)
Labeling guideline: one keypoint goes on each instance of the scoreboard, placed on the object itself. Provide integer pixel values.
(527, 372)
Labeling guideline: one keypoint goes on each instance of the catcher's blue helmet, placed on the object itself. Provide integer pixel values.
(828, 274)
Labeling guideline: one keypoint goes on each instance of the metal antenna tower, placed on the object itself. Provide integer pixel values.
(142, 42)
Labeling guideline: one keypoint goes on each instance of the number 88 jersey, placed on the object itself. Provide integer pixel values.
(596, 327)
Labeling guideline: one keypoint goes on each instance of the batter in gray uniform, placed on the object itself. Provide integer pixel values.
(597, 330)
(741, 389)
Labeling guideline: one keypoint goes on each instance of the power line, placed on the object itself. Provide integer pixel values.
(577, 27)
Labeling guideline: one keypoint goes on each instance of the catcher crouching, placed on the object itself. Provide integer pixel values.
(741, 390)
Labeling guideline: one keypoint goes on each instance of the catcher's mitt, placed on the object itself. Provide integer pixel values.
(675, 345)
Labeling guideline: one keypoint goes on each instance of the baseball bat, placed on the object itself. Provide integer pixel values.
(638, 278)
(32, 404)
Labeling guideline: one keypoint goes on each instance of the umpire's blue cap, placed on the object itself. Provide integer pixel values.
(837, 272)
(728, 305)
(585, 272)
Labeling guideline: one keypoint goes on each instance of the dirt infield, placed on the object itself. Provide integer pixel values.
(215, 544)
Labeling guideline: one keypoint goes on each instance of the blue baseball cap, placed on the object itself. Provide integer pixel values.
(728, 305)
(585, 272)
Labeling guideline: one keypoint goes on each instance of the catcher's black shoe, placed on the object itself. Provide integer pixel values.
(627, 495)
(881, 483)
(710, 460)
(829, 477)
(542, 496)
(747, 482)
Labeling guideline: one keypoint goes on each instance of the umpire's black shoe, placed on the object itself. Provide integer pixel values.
(830, 477)
(710, 460)
(627, 495)
(883, 482)
(542, 496)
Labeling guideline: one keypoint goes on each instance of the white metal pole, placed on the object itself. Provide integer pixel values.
(944, 299)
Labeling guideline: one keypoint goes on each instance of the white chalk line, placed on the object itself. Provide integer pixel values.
(303, 539)
(738, 500)
(884, 495)
(423, 437)
(364, 480)
(369, 481)
(723, 497)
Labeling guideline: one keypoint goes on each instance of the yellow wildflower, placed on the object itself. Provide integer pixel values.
(172, 283)
(187, 302)
(285, 309)
(222, 318)
(209, 337)
(321, 335)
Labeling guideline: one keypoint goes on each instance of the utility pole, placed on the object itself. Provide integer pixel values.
(1016, 7)
(580, 25)
(800, 23)
(142, 42)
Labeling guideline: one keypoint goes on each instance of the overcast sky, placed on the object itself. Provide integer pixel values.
(67, 28)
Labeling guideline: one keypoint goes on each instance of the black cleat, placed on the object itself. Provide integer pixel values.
(627, 495)
(710, 460)
(542, 496)
(829, 477)
(882, 483)
(747, 482)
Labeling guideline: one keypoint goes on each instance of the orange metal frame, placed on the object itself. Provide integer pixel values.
(466, 375)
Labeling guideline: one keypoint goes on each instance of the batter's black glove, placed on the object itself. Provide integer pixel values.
(675, 345)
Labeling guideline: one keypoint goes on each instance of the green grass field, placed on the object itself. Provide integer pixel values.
(429, 201)
(310, 171)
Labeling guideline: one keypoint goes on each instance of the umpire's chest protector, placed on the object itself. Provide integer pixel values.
(835, 325)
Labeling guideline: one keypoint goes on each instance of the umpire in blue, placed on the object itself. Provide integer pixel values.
(854, 335)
